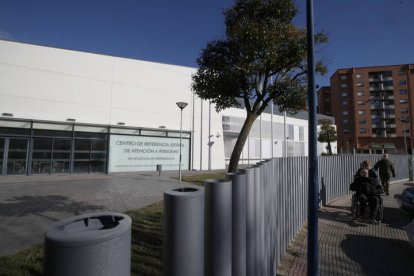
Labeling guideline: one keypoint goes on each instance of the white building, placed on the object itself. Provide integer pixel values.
(65, 111)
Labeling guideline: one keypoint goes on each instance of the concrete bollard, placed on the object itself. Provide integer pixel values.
(250, 233)
(184, 232)
(238, 224)
(218, 228)
(89, 244)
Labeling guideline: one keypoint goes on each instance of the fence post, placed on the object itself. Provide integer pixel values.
(184, 232)
(218, 228)
(238, 223)
(250, 215)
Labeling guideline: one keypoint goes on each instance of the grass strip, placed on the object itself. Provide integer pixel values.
(146, 248)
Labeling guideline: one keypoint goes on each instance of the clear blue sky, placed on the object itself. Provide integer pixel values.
(361, 32)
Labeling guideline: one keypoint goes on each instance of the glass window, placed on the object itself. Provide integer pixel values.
(345, 122)
(177, 134)
(16, 162)
(225, 119)
(360, 84)
(226, 127)
(361, 112)
(42, 153)
(359, 94)
(14, 131)
(61, 155)
(361, 102)
(344, 94)
(344, 103)
(327, 99)
(362, 122)
(401, 73)
(376, 121)
(404, 110)
(404, 101)
(343, 77)
(52, 133)
(358, 76)
(403, 91)
(95, 135)
(362, 130)
(344, 112)
(346, 130)
(343, 85)
(403, 82)
(153, 133)
(1, 154)
(301, 133)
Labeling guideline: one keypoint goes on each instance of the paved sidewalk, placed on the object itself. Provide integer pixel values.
(348, 247)
(30, 204)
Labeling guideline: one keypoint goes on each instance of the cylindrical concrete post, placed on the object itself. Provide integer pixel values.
(89, 244)
(250, 238)
(218, 228)
(184, 232)
(257, 221)
(238, 224)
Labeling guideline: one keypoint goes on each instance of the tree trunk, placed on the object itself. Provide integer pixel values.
(241, 140)
(329, 147)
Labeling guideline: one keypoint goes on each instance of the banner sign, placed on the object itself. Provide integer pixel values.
(143, 153)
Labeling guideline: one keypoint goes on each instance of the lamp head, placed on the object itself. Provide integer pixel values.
(181, 105)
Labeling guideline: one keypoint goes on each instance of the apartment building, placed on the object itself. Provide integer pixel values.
(324, 100)
(373, 108)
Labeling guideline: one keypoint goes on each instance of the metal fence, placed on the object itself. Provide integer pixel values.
(254, 215)
(336, 172)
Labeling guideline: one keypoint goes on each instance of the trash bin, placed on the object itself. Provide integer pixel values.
(89, 244)
(159, 169)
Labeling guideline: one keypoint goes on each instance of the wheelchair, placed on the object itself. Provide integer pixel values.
(356, 210)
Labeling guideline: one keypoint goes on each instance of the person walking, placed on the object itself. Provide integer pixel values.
(386, 171)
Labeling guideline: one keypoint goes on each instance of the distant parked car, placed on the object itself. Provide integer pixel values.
(406, 200)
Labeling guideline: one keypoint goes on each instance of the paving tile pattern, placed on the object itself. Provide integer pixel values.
(30, 204)
(353, 247)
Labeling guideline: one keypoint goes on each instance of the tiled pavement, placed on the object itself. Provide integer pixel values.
(348, 247)
(30, 204)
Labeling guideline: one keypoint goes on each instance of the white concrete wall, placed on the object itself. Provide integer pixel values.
(252, 146)
(55, 84)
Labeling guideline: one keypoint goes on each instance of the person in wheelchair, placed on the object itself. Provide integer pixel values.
(366, 164)
(367, 190)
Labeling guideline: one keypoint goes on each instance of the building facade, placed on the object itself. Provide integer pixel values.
(64, 111)
(373, 108)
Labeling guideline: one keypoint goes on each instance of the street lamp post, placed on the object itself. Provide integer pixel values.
(181, 106)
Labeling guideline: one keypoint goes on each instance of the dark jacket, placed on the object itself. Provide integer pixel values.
(367, 186)
(371, 173)
(386, 169)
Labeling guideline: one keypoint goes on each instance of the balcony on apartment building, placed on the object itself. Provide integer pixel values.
(381, 87)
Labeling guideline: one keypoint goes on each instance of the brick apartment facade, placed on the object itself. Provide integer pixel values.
(373, 108)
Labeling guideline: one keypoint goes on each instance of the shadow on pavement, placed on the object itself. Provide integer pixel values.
(25, 205)
(340, 216)
(395, 218)
(380, 256)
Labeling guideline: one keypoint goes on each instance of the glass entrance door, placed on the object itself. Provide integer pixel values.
(61, 155)
(1, 155)
(17, 156)
(42, 153)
